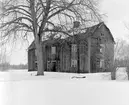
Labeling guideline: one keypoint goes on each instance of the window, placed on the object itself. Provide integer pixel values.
(73, 63)
(102, 35)
(102, 49)
(83, 48)
(74, 48)
(53, 50)
(101, 63)
(74, 51)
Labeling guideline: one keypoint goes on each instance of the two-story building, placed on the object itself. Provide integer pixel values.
(89, 51)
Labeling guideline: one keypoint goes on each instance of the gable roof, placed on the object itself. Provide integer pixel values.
(49, 42)
(88, 32)
(94, 28)
(110, 33)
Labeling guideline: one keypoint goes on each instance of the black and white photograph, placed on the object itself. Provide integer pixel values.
(64, 52)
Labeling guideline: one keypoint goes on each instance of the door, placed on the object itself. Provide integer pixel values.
(82, 63)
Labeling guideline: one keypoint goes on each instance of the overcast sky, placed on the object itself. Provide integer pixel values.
(117, 12)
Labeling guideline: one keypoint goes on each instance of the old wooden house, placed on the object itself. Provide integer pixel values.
(88, 51)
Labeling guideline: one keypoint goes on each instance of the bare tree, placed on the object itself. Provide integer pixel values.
(4, 62)
(120, 57)
(43, 17)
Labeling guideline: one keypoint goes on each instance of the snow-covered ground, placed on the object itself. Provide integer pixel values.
(24, 88)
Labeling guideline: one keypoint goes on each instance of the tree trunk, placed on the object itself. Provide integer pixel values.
(113, 74)
(39, 54)
(113, 71)
(127, 71)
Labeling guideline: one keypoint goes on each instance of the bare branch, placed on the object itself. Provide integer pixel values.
(17, 20)
(19, 7)
(42, 3)
(57, 31)
(46, 12)
(60, 10)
